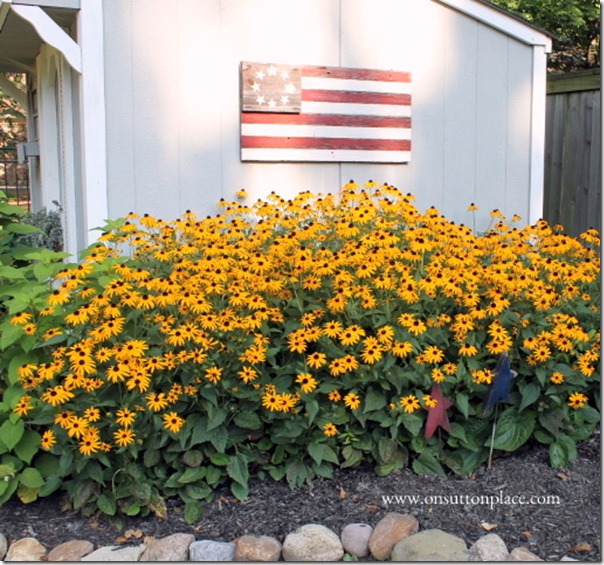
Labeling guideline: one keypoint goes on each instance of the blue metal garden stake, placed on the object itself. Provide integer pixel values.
(500, 390)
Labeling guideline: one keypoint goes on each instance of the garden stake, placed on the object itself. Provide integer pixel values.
(490, 462)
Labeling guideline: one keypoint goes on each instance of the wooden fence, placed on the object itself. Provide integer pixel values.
(573, 165)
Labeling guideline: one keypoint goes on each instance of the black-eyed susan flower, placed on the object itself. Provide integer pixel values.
(352, 400)
(173, 422)
(124, 437)
(577, 400)
(48, 440)
(24, 405)
(307, 382)
(330, 429)
(56, 395)
(125, 417)
(409, 403)
(156, 401)
(76, 427)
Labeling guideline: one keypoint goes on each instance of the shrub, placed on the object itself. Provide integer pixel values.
(289, 337)
(24, 287)
(50, 232)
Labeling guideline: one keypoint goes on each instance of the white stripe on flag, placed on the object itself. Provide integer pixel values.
(355, 109)
(316, 83)
(283, 130)
(318, 155)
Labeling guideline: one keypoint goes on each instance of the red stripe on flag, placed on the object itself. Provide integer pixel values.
(267, 142)
(325, 120)
(350, 97)
(356, 74)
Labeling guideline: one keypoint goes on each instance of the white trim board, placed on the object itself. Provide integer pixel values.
(93, 134)
(50, 32)
(501, 21)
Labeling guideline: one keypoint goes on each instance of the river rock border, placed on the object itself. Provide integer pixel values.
(395, 537)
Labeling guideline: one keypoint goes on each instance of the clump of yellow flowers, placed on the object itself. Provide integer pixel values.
(294, 335)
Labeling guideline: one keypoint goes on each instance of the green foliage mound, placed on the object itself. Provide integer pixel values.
(287, 338)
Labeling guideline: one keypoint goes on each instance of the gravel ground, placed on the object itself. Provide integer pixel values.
(570, 524)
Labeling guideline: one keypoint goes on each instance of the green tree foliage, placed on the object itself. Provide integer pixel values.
(574, 23)
(12, 115)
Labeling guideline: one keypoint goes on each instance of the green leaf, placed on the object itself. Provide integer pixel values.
(374, 400)
(198, 491)
(106, 504)
(220, 459)
(552, 421)
(151, 458)
(277, 473)
(296, 474)
(217, 416)
(51, 485)
(329, 454)
(27, 494)
(6, 471)
(219, 438)
(192, 511)
(12, 273)
(530, 394)
(315, 450)
(351, 456)
(10, 335)
(28, 445)
(248, 420)
(11, 434)
(142, 491)
(312, 409)
(192, 475)
(192, 458)
(458, 431)
(426, 464)
(237, 469)
(562, 451)
(461, 401)
(213, 475)
(513, 430)
(133, 509)
(413, 423)
(387, 449)
(240, 492)
(31, 478)
(22, 228)
(385, 470)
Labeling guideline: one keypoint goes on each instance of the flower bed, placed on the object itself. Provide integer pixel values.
(288, 337)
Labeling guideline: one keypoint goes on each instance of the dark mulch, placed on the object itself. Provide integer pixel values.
(570, 527)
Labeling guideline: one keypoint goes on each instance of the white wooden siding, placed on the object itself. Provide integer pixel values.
(173, 100)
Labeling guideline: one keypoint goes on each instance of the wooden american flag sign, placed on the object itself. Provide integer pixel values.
(322, 114)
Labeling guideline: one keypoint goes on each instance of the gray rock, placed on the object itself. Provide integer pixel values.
(115, 553)
(170, 548)
(312, 542)
(489, 548)
(355, 539)
(567, 558)
(431, 545)
(257, 548)
(70, 551)
(391, 529)
(523, 554)
(3, 546)
(25, 549)
(207, 550)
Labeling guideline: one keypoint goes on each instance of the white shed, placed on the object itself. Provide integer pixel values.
(135, 105)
